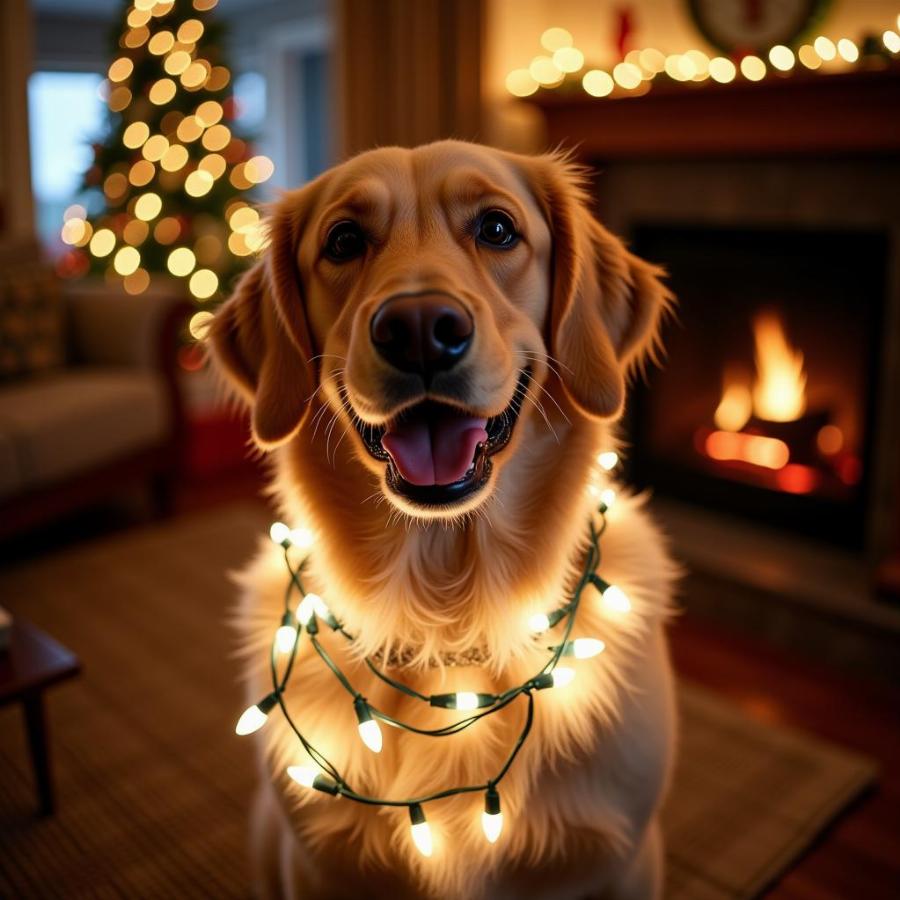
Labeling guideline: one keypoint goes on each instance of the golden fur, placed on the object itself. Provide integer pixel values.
(572, 304)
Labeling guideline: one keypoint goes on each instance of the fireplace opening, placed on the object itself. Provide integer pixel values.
(765, 404)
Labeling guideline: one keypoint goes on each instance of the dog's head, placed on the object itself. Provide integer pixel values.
(423, 295)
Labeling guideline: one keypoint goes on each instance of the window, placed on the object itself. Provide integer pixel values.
(66, 114)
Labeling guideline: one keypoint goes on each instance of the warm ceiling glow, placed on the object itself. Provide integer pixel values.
(753, 68)
(554, 39)
(627, 76)
(722, 70)
(102, 242)
(824, 48)
(568, 59)
(181, 261)
(782, 58)
(779, 394)
(120, 69)
(520, 83)
(126, 260)
(597, 83)
(135, 135)
(162, 91)
(148, 206)
(203, 284)
(544, 71)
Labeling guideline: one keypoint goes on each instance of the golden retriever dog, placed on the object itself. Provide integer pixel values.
(434, 348)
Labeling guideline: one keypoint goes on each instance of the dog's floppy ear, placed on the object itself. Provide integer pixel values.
(606, 304)
(260, 337)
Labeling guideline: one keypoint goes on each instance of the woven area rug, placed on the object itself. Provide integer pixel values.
(153, 786)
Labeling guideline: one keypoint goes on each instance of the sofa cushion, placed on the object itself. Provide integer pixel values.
(63, 423)
(32, 318)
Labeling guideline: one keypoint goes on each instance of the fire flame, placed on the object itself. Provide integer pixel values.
(779, 394)
(779, 391)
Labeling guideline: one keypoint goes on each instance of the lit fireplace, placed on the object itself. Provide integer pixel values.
(762, 429)
(765, 403)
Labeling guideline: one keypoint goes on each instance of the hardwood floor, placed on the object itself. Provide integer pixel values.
(859, 857)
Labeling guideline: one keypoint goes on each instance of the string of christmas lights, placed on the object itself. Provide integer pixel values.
(311, 612)
(562, 64)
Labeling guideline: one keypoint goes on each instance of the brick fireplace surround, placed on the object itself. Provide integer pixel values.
(812, 152)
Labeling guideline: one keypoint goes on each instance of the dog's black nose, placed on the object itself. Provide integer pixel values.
(424, 333)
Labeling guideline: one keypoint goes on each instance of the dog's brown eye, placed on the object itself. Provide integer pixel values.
(345, 241)
(497, 229)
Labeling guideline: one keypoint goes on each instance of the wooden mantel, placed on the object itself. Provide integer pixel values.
(856, 113)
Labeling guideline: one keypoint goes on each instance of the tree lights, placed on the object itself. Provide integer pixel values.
(170, 175)
(326, 778)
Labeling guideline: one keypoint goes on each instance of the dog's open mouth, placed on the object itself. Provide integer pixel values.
(437, 453)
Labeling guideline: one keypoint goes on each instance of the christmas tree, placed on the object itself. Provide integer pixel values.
(167, 190)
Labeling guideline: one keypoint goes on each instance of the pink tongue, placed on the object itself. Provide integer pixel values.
(436, 451)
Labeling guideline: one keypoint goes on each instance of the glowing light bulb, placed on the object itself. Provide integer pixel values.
(848, 50)
(519, 83)
(369, 730)
(466, 700)
(825, 48)
(303, 775)
(420, 830)
(539, 622)
(608, 460)
(562, 676)
(308, 607)
(254, 717)
(586, 648)
(608, 497)
(308, 777)
(286, 636)
(279, 532)
(302, 538)
(492, 817)
(615, 600)
(598, 83)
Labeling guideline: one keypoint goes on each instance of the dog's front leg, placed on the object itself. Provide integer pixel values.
(642, 876)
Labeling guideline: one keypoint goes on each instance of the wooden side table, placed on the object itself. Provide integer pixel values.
(33, 662)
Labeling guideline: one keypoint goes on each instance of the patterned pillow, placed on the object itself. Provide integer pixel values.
(32, 319)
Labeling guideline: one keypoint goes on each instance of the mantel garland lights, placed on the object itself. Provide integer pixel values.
(311, 612)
